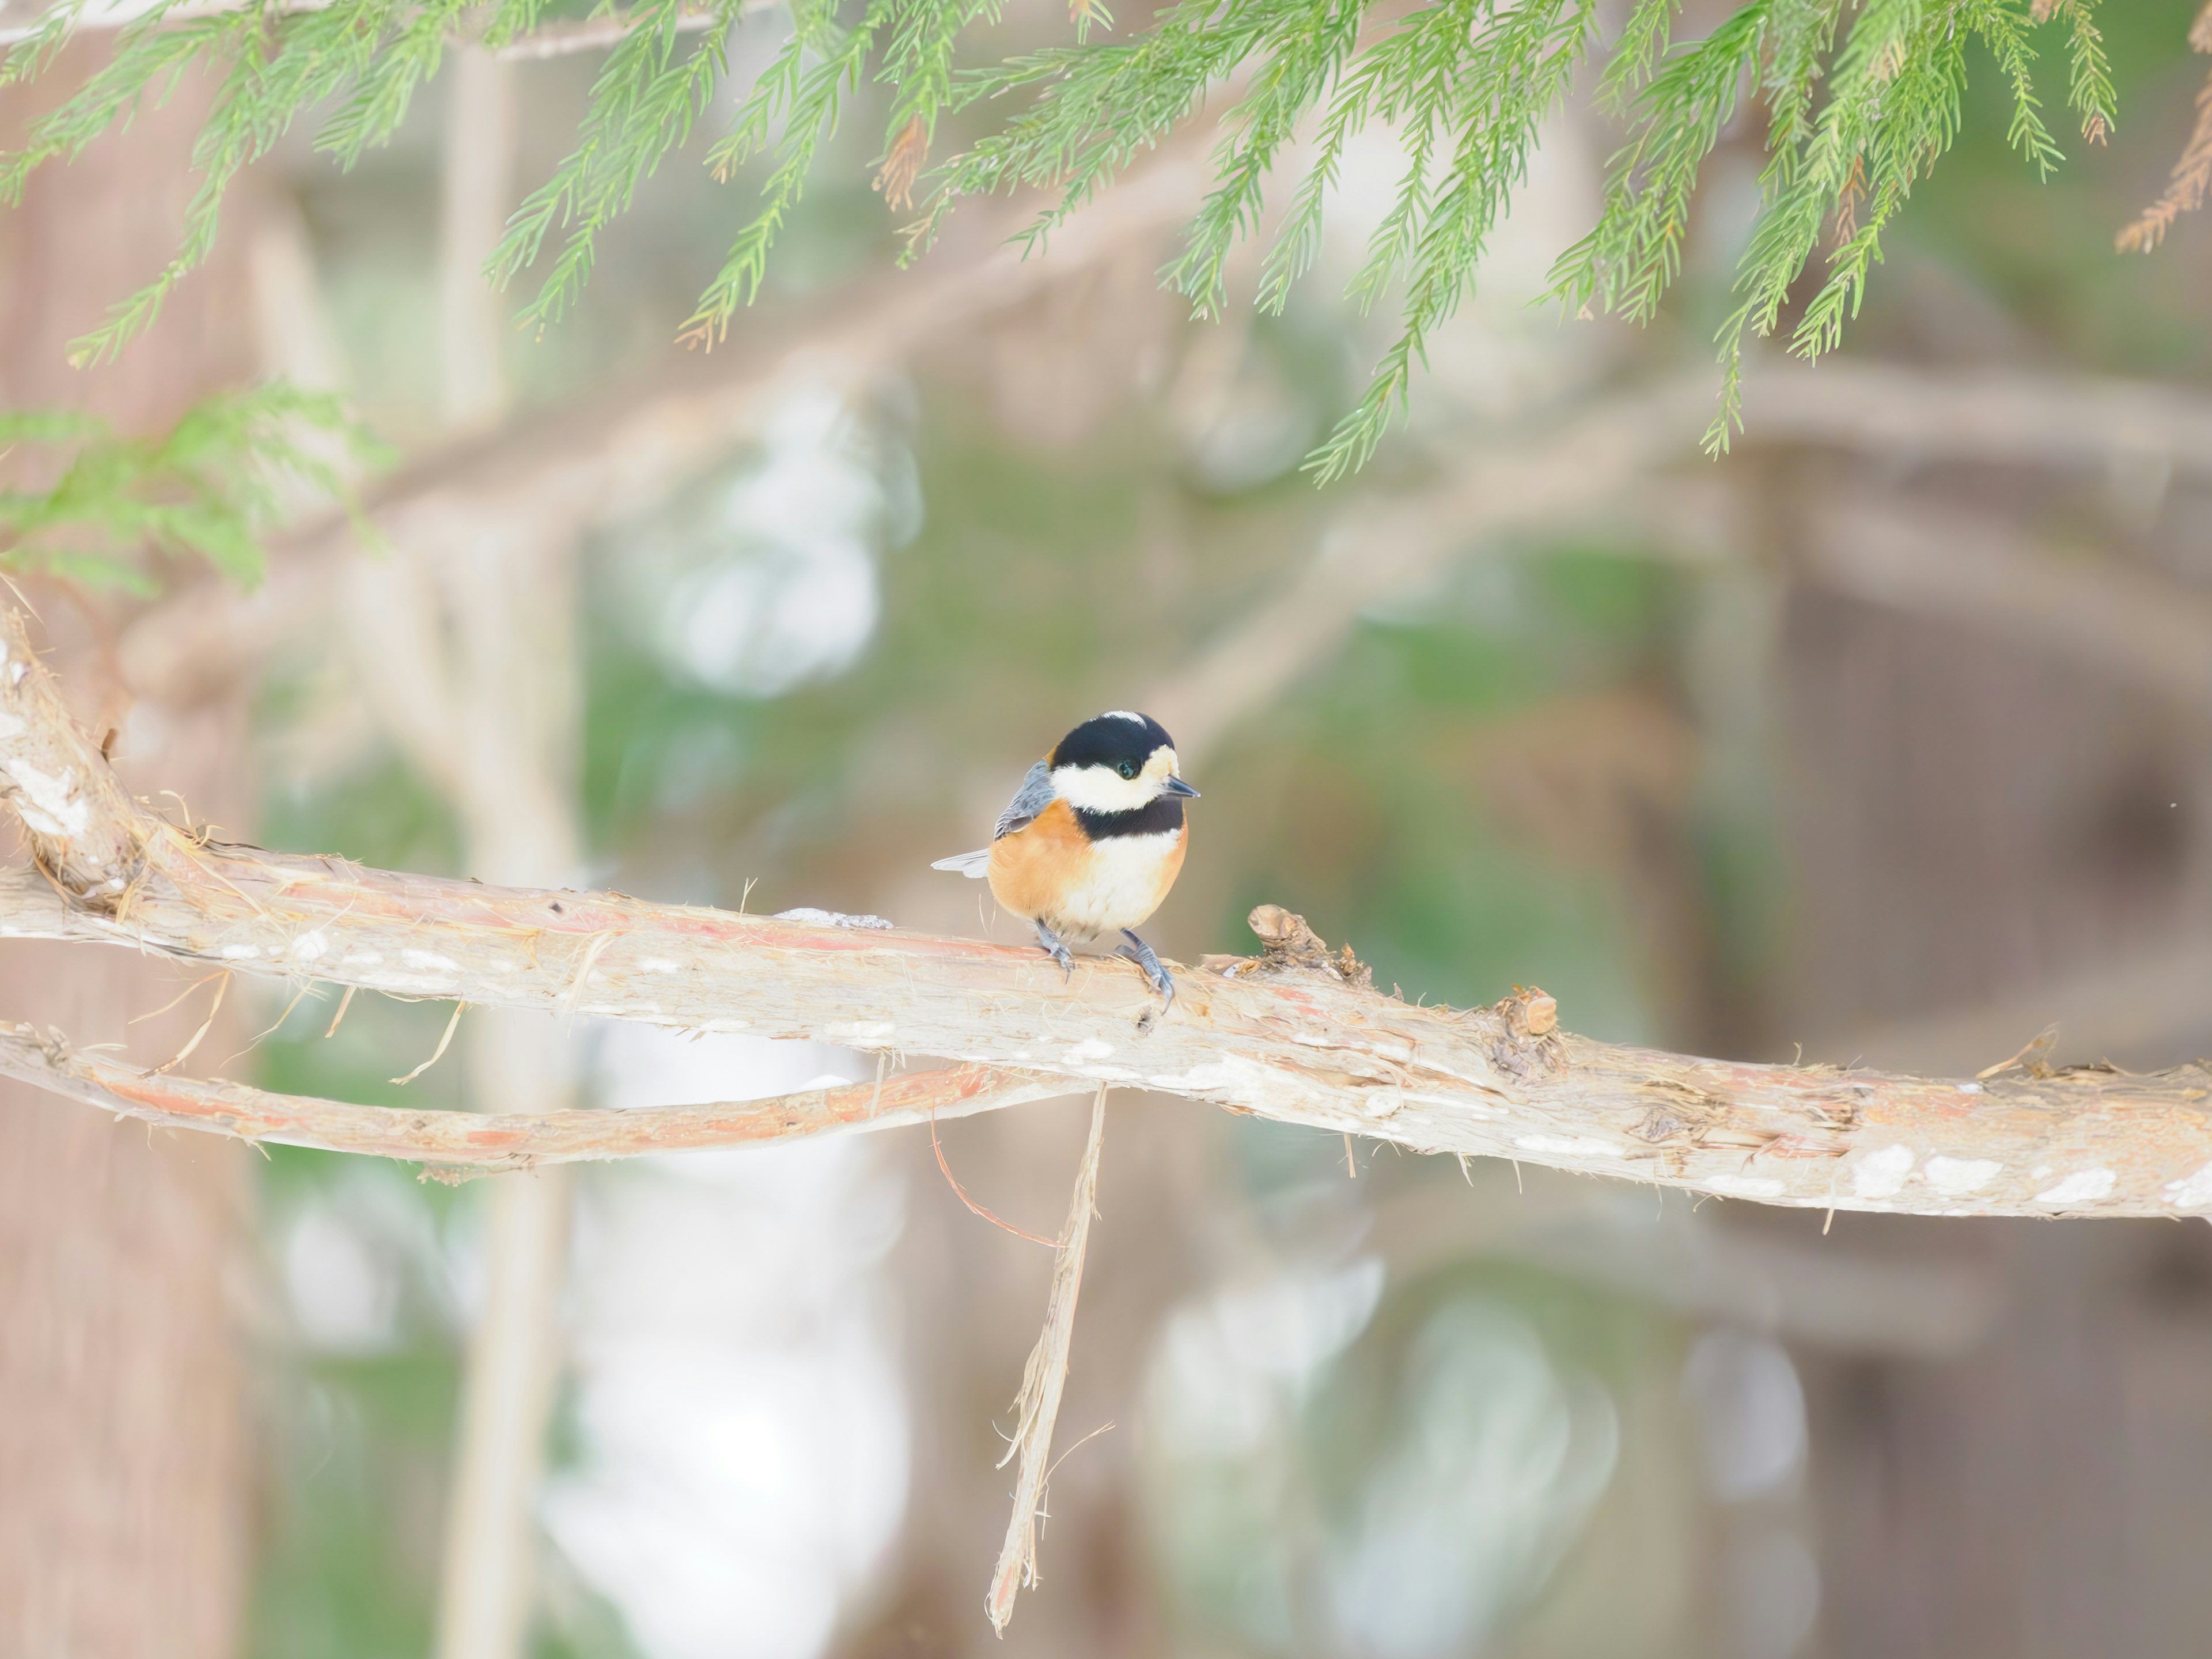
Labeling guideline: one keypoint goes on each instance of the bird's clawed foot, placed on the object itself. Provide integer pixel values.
(1049, 942)
(1141, 953)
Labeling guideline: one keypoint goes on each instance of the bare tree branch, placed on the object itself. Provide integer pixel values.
(1278, 1038)
(1621, 441)
(83, 828)
(2006, 418)
(484, 1144)
(1370, 554)
(547, 478)
(555, 39)
(2111, 616)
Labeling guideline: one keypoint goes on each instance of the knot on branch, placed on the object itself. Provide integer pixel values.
(1687, 1117)
(1291, 944)
(1529, 1047)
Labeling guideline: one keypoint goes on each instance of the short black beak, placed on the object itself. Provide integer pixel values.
(1177, 787)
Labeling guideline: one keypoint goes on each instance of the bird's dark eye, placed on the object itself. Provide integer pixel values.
(1127, 770)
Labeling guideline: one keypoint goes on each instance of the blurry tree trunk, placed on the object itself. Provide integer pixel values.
(124, 1456)
(515, 697)
(511, 722)
(2002, 822)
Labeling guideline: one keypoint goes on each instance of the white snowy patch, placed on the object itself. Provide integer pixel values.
(2082, 1187)
(1745, 1186)
(1955, 1176)
(52, 806)
(1882, 1174)
(2191, 1192)
(1569, 1146)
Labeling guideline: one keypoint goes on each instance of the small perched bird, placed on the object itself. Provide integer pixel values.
(1092, 840)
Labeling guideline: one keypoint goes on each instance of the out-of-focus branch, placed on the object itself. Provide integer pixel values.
(504, 669)
(1280, 1039)
(550, 477)
(1371, 553)
(485, 1144)
(557, 39)
(2008, 418)
(1929, 1306)
(563, 39)
(2110, 615)
(2154, 999)
(2137, 626)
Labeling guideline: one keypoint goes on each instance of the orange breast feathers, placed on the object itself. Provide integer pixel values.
(1050, 871)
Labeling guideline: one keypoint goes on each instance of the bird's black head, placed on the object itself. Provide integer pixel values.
(1117, 763)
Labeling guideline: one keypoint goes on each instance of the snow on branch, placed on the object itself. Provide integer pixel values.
(1293, 1035)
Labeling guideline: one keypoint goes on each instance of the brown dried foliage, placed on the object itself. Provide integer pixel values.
(902, 164)
(2192, 174)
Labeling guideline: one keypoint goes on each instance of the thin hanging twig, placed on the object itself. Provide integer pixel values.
(438, 1053)
(961, 1192)
(198, 1037)
(1038, 1405)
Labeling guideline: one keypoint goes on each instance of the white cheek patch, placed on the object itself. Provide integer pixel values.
(1101, 789)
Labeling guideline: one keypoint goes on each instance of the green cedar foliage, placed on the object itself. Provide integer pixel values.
(1855, 103)
(209, 486)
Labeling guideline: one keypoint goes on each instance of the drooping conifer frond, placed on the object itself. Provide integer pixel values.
(1854, 100)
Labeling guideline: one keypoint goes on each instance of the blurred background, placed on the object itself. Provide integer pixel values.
(1882, 739)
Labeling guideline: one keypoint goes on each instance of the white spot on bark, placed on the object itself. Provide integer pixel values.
(310, 947)
(2082, 1187)
(51, 805)
(657, 965)
(431, 984)
(1970, 1088)
(1455, 1104)
(1882, 1174)
(240, 952)
(1745, 1186)
(1091, 1049)
(1228, 1075)
(2039, 1171)
(1569, 1146)
(430, 961)
(2191, 1192)
(1954, 1178)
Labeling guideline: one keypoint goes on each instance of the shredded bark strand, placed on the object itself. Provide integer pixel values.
(1037, 1406)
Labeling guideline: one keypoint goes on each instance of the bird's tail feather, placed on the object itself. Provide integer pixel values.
(974, 865)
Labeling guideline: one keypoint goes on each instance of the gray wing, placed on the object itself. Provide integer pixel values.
(1031, 799)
